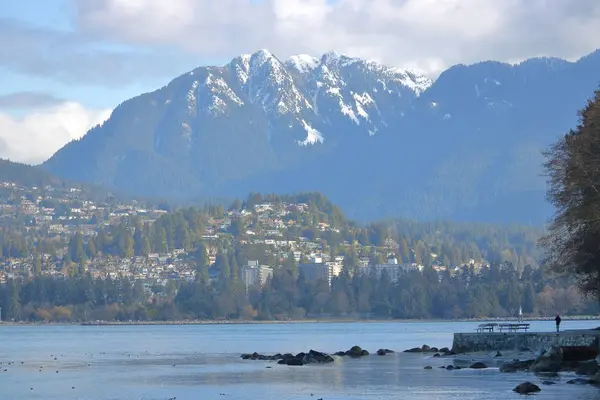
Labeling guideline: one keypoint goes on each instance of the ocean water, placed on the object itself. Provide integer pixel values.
(203, 362)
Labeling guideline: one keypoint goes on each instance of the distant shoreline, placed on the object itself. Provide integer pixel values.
(303, 321)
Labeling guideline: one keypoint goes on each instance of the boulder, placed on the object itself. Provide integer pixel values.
(434, 350)
(548, 383)
(355, 351)
(381, 352)
(294, 362)
(587, 368)
(425, 348)
(317, 357)
(444, 350)
(498, 354)
(516, 366)
(414, 350)
(450, 367)
(428, 367)
(246, 356)
(437, 355)
(527, 388)
(478, 365)
(550, 361)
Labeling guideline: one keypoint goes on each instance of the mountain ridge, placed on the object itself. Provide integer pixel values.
(380, 141)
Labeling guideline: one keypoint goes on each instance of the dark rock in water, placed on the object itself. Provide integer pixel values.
(578, 381)
(450, 367)
(478, 365)
(414, 350)
(444, 350)
(434, 350)
(498, 354)
(425, 348)
(457, 368)
(588, 368)
(294, 362)
(516, 366)
(548, 383)
(381, 352)
(428, 367)
(355, 351)
(437, 355)
(317, 357)
(442, 367)
(246, 356)
(526, 388)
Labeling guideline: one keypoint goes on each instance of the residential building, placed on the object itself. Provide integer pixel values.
(317, 269)
(254, 274)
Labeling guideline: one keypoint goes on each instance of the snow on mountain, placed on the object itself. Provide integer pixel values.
(303, 63)
(307, 94)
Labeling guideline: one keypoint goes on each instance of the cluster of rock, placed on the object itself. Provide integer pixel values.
(312, 357)
(444, 351)
(477, 365)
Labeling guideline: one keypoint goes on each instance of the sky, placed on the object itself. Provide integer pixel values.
(65, 64)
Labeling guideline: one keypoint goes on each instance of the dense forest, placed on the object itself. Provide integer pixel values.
(496, 292)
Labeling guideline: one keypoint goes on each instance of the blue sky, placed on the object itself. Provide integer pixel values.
(64, 64)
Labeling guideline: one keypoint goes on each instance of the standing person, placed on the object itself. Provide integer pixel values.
(557, 319)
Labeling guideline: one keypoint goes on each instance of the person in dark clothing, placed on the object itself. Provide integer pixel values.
(557, 319)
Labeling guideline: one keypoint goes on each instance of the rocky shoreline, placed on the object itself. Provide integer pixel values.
(547, 364)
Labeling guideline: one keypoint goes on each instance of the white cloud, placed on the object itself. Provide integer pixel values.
(36, 136)
(426, 34)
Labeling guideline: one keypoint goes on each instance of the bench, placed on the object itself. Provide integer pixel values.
(486, 327)
(514, 327)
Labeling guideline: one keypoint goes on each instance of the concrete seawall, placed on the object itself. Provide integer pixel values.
(492, 341)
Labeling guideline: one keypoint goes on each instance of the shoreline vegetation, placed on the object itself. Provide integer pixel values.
(272, 322)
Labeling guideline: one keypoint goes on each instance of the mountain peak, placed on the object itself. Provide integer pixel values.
(302, 63)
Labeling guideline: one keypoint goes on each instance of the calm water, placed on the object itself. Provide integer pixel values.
(202, 362)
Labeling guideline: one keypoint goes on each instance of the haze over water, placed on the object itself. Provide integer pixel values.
(203, 362)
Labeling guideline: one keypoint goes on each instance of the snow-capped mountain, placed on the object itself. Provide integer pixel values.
(376, 139)
(306, 98)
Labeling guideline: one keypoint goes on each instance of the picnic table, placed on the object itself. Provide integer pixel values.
(514, 327)
(486, 327)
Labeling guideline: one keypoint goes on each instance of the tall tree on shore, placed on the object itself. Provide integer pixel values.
(573, 168)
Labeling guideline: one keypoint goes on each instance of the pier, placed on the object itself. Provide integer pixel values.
(534, 341)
